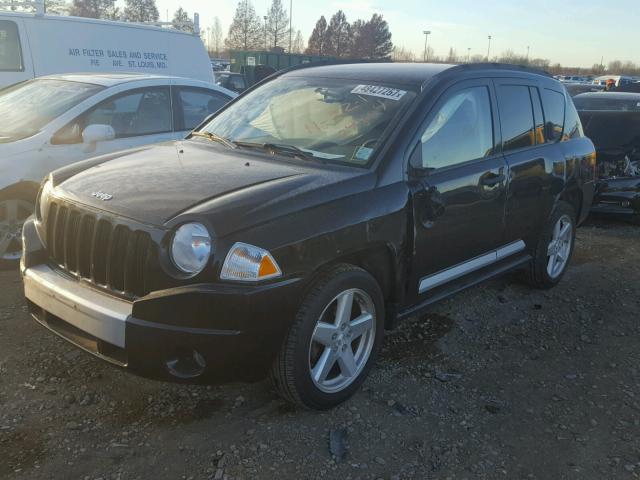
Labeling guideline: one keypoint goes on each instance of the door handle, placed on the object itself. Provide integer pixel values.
(492, 180)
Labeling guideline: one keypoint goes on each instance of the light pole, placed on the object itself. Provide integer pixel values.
(266, 48)
(290, 24)
(528, 50)
(469, 55)
(489, 49)
(426, 38)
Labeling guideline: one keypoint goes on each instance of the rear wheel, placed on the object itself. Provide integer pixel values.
(333, 341)
(554, 249)
(13, 213)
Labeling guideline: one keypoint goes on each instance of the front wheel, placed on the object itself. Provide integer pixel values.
(333, 341)
(555, 248)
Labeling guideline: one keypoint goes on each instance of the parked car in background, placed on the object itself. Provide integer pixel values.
(34, 45)
(619, 80)
(231, 81)
(53, 121)
(612, 121)
(305, 217)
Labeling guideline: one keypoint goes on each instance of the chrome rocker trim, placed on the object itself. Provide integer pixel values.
(476, 263)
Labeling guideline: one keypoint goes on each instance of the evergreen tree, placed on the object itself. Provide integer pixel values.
(182, 21)
(93, 8)
(338, 35)
(318, 39)
(141, 11)
(372, 39)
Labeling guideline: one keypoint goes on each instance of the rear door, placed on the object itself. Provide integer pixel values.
(15, 64)
(459, 202)
(191, 105)
(535, 163)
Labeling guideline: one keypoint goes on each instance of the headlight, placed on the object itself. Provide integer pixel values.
(248, 263)
(191, 248)
(43, 200)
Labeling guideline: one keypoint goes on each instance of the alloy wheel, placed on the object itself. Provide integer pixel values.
(559, 248)
(342, 341)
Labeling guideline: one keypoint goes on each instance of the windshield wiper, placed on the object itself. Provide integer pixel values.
(214, 138)
(281, 148)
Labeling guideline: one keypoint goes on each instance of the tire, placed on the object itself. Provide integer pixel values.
(297, 372)
(542, 273)
(16, 205)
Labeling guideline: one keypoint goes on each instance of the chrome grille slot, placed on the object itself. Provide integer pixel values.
(111, 256)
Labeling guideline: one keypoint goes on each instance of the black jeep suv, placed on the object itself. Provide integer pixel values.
(305, 217)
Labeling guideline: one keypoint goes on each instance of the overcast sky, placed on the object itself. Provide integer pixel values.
(573, 32)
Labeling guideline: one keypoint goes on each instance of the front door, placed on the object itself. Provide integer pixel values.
(138, 117)
(458, 180)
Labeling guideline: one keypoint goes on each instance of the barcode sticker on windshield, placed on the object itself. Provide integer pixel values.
(377, 91)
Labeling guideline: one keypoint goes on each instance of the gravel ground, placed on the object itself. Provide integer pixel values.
(498, 382)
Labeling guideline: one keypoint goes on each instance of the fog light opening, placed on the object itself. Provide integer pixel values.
(186, 363)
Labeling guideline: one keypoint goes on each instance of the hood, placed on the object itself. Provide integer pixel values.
(155, 185)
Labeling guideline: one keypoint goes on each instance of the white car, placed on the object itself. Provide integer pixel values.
(50, 122)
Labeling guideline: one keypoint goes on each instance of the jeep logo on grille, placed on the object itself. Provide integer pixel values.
(105, 197)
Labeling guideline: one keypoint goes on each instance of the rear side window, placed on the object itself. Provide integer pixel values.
(197, 103)
(516, 117)
(461, 130)
(10, 51)
(553, 104)
(573, 125)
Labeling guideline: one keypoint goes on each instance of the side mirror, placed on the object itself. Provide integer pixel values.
(97, 133)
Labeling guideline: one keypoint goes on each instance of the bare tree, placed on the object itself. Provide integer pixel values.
(402, 54)
(57, 7)
(338, 35)
(318, 40)
(277, 25)
(141, 11)
(182, 21)
(216, 35)
(245, 31)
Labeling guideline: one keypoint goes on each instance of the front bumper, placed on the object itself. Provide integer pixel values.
(208, 333)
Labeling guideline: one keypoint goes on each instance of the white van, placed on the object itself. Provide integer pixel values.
(33, 45)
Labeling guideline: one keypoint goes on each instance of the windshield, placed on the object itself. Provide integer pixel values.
(608, 104)
(332, 119)
(26, 108)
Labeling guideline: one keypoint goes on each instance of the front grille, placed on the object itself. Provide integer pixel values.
(94, 248)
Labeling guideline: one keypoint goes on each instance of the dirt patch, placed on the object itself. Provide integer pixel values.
(498, 382)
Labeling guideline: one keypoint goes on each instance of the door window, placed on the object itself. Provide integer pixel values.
(10, 51)
(197, 104)
(553, 103)
(461, 130)
(133, 114)
(516, 117)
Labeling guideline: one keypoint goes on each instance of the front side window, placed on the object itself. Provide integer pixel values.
(461, 130)
(133, 114)
(516, 117)
(26, 108)
(197, 104)
(10, 51)
(553, 104)
(339, 120)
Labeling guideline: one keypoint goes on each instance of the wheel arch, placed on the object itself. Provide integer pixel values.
(381, 262)
(25, 188)
(574, 197)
